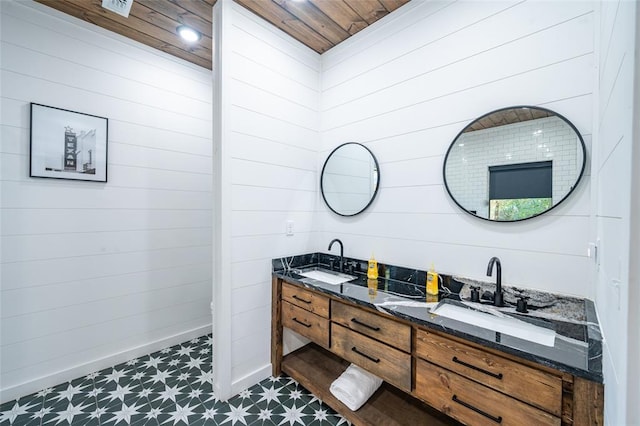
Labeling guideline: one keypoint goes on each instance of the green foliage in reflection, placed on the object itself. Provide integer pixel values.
(517, 209)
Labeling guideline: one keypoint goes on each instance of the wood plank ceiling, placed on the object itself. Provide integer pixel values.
(318, 24)
(508, 116)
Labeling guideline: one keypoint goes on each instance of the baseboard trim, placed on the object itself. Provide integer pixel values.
(250, 379)
(27, 388)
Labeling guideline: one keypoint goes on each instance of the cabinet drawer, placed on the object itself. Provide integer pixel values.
(306, 324)
(472, 403)
(374, 325)
(391, 365)
(307, 300)
(536, 387)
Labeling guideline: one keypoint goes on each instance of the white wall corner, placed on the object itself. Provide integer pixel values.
(410, 12)
(221, 304)
(301, 49)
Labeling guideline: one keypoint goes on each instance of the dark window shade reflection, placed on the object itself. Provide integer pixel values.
(515, 181)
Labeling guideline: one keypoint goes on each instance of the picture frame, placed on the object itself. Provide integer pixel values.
(67, 144)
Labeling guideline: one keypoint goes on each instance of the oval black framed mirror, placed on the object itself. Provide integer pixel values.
(514, 163)
(350, 179)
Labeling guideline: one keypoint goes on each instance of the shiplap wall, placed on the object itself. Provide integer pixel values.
(406, 88)
(96, 273)
(271, 144)
(633, 332)
(612, 192)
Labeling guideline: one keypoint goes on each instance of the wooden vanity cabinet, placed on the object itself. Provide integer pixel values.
(306, 313)
(473, 403)
(372, 324)
(479, 387)
(530, 385)
(388, 363)
(378, 344)
(305, 323)
(426, 373)
(311, 301)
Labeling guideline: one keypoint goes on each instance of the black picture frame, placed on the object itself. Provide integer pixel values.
(65, 144)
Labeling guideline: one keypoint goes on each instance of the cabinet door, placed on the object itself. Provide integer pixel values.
(533, 386)
(391, 365)
(473, 403)
(305, 323)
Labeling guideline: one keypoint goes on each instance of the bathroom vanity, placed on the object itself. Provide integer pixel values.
(436, 370)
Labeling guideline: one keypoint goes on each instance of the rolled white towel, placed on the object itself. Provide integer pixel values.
(355, 386)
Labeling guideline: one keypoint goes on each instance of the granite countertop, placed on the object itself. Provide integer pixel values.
(400, 292)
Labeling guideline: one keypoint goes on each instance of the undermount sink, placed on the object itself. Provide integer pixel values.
(326, 276)
(503, 324)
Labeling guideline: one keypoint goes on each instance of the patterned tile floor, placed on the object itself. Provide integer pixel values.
(169, 387)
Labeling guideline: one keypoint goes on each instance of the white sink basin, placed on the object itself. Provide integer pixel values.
(503, 324)
(328, 277)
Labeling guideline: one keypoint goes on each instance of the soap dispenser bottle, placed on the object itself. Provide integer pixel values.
(432, 285)
(372, 270)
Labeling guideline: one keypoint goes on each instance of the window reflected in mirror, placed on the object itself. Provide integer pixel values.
(519, 191)
(517, 208)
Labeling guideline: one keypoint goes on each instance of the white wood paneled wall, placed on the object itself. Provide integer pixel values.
(407, 86)
(618, 43)
(271, 143)
(95, 273)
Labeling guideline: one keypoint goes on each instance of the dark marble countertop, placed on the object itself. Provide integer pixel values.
(400, 292)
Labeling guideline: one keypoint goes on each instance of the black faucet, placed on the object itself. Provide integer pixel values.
(497, 296)
(341, 252)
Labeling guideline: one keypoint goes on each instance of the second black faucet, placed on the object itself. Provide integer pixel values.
(497, 296)
(341, 252)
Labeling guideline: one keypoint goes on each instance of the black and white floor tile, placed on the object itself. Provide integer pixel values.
(169, 387)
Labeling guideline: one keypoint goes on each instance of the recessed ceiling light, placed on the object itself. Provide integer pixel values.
(188, 34)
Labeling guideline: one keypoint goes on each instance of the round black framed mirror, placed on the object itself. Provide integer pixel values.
(350, 179)
(514, 163)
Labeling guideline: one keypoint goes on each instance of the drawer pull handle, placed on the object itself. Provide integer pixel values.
(477, 410)
(301, 323)
(370, 327)
(473, 367)
(376, 360)
(295, 296)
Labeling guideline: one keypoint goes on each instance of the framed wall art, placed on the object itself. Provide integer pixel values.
(67, 144)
